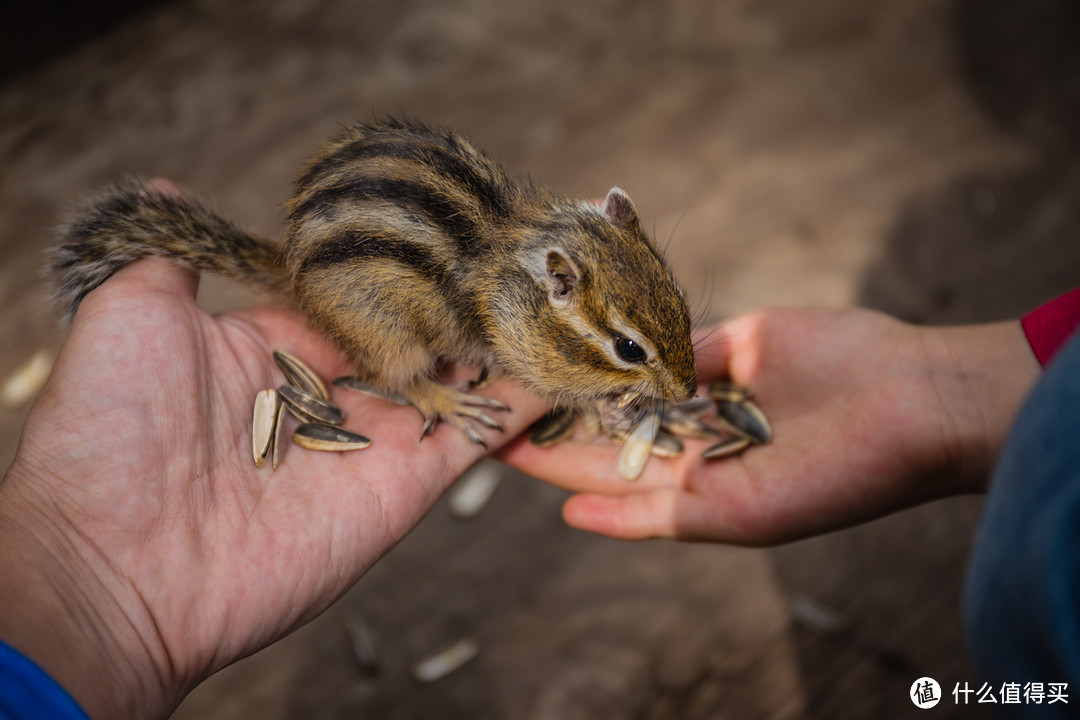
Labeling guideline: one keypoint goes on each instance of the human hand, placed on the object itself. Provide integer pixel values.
(869, 416)
(140, 548)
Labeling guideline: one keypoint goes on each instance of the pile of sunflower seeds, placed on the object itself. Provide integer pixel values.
(305, 396)
(644, 430)
(656, 429)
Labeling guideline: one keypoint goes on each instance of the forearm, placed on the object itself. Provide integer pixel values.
(56, 609)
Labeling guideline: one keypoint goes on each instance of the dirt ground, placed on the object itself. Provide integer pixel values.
(912, 156)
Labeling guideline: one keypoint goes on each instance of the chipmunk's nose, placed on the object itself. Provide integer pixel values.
(682, 389)
(687, 390)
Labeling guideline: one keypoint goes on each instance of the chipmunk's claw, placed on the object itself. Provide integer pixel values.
(485, 378)
(481, 417)
(471, 433)
(484, 402)
(438, 402)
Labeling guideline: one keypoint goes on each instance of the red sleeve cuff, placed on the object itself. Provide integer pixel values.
(1048, 326)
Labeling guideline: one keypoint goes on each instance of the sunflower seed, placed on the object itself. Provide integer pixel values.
(726, 448)
(443, 663)
(721, 391)
(471, 493)
(364, 647)
(309, 408)
(26, 380)
(300, 375)
(590, 416)
(315, 436)
(816, 617)
(635, 451)
(695, 406)
(277, 437)
(354, 383)
(553, 428)
(263, 422)
(744, 418)
(684, 424)
(667, 445)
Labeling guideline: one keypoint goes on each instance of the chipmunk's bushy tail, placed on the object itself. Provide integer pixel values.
(132, 221)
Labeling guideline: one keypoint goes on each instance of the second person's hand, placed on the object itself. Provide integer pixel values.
(870, 415)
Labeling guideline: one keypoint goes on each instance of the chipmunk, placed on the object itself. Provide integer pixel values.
(410, 247)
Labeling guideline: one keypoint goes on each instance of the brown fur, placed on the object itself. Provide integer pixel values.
(411, 248)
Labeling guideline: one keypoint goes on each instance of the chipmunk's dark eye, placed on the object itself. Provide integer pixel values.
(629, 350)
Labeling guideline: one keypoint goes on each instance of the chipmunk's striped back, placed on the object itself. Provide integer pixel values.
(390, 222)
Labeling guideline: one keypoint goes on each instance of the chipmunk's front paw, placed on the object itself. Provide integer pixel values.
(438, 402)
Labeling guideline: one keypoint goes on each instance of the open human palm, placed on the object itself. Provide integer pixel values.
(869, 415)
(144, 430)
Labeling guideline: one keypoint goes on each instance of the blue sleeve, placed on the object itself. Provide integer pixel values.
(27, 692)
(1023, 589)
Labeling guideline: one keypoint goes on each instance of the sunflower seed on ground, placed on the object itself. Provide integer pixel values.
(300, 375)
(276, 441)
(721, 391)
(816, 617)
(444, 662)
(471, 493)
(24, 383)
(638, 445)
(315, 436)
(744, 418)
(553, 428)
(264, 421)
(364, 647)
(667, 445)
(354, 383)
(726, 448)
(309, 408)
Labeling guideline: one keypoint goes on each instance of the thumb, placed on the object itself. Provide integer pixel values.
(712, 351)
(629, 517)
(154, 275)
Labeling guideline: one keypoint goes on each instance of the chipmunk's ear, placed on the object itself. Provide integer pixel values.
(619, 209)
(563, 275)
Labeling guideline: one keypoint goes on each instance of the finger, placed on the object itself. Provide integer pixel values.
(671, 513)
(153, 276)
(632, 517)
(591, 466)
(712, 350)
(167, 188)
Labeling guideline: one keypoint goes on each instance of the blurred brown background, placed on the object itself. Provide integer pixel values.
(911, 155)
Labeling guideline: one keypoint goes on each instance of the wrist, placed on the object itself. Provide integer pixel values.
(981, 375)
(61, 606)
